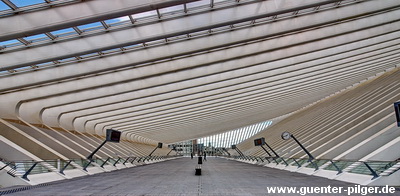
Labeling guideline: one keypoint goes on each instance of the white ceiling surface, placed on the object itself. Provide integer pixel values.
(200, 85)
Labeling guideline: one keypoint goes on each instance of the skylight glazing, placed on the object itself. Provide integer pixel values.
(22, 3)
(225, 140)
(3, 6)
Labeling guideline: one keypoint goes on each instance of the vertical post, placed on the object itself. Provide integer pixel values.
(58, 164)
(397, 112)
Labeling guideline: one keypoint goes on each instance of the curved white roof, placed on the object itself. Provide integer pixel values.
(176, 70)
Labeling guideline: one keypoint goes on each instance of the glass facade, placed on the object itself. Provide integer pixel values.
(214, 144)
(225, 140)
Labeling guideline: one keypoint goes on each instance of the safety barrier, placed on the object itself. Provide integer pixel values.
(24, 168)
(373, 168)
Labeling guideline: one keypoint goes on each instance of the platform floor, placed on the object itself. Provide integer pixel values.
(220, 177)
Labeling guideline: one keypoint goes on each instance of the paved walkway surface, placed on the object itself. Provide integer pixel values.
(220, 177)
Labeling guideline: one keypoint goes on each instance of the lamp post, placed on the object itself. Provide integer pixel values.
(261, 142)
(158, 146)
(111, 136)
(286, 135)
(397, 111)
(238, 151)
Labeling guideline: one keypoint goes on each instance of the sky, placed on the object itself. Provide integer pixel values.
(21, 3)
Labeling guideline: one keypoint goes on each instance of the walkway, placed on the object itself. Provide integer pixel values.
(176, 177)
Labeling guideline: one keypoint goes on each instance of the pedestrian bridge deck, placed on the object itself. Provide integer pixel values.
(177, 177)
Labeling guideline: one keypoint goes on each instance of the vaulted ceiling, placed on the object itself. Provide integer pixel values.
(175, 70)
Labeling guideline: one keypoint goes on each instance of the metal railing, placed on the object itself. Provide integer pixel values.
(24, 168)
(373, 168)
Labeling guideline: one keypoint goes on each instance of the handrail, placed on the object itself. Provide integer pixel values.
(24, 168)
(368, 167)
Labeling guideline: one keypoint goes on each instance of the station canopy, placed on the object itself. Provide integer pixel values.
(174, 70)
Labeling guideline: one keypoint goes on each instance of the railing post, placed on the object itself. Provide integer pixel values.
(274, 158)
(146, 158)
(372, 171)
(298, 164)
(25, 176)
(126, 160)
(65, 167)
(284, 161)
(87, 165)
(119, 158)
(315, 165)
(102, 165)
(337, 168)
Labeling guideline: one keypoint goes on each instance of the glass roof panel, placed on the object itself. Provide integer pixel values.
(117, 21)
(91, 26)
(22, 3)
(3, 6)
(171, 9)
(124, 18)
(198, 3)
(10, 43)
(68, 59)
(64, 32)
(114, 20)
(37, 38)
(240, 134)
(145, 14)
